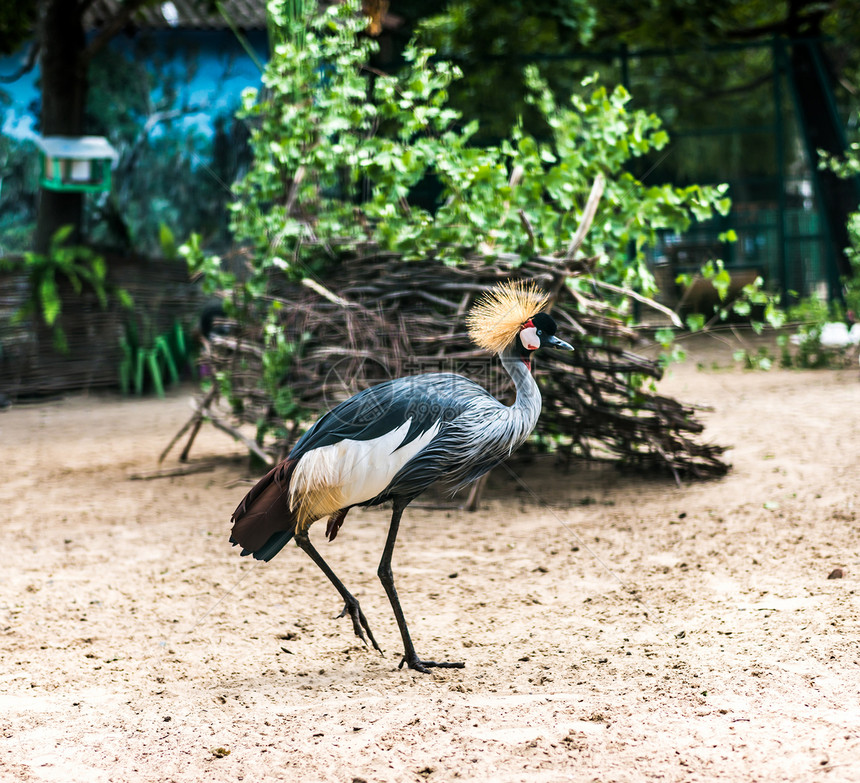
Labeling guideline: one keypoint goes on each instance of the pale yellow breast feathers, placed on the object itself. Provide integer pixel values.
(314, 489)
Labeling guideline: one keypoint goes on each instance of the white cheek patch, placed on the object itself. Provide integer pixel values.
(529, 338)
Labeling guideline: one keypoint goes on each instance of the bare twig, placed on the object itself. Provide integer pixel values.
(323, 291)
(640, 298)
(194, 421)
(234, 433)
(182, 470)
(587, 217)
(528, 227)
(294, 190)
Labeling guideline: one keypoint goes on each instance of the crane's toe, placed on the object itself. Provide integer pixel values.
(359, 623)
(414, 662)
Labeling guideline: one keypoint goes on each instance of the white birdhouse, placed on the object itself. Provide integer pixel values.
(76, 163)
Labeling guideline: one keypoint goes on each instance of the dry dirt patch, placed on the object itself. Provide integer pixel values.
(613, 627)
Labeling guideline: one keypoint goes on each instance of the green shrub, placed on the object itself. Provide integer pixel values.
(339, 153)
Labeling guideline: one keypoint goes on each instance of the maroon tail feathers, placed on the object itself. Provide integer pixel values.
(263, 522)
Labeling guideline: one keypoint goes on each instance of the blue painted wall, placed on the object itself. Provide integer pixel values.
(224, 69)
(177, 176)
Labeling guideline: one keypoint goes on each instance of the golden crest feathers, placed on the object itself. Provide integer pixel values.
(497, 317)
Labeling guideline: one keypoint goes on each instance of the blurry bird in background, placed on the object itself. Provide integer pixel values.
(392, 441)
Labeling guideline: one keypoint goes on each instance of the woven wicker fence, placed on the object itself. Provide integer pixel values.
(31, 366)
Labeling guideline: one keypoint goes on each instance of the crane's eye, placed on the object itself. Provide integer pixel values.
(539, 332)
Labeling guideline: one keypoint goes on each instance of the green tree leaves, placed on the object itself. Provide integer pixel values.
(339, 152)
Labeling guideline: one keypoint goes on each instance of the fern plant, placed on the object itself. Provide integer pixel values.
(77, 265)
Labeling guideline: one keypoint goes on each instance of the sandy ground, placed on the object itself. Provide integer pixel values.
(613, 628)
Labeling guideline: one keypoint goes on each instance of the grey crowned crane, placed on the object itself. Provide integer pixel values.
(392, 441)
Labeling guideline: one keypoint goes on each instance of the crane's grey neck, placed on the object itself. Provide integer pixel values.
(528, 402)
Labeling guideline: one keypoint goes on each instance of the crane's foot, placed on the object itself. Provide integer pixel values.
(359, 624)
(413, 662)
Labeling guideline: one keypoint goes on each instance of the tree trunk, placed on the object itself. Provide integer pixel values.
(64, 86)
(822, 130)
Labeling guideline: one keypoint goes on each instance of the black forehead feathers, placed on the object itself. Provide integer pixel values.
(545, 323)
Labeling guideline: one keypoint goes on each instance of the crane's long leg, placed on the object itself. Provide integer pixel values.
(387, 578)
(351, 605)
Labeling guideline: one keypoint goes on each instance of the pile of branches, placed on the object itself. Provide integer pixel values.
(382, 317)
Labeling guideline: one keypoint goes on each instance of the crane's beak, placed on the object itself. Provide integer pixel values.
(554, 342)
